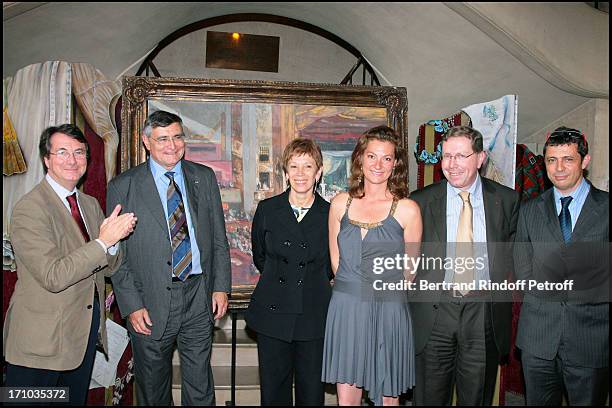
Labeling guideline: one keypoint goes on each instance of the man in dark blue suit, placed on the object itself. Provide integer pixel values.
(563, 237)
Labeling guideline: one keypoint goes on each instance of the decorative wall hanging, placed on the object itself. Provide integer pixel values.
(428, 149)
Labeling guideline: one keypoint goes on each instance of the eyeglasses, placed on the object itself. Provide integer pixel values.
(164, 140)
(458, 157)
(64, 154)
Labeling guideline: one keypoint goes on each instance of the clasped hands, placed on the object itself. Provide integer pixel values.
(116, 227)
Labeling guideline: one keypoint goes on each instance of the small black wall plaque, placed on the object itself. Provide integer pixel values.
(242, 51)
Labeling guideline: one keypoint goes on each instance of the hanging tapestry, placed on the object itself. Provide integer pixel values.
(94, 94)
(497, 121)
(428, 151)
(38, 96)
(12, 157)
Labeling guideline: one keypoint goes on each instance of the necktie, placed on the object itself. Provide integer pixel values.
(179, 233)
(76, 214)
(465, 238)
(565, 218)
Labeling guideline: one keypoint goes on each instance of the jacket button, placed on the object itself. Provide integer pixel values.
(168, 288)
(304, 245)
(435, 307)
(169, 263)
(302, 264)
(287, 243)
(300, 282)
(281, 279)
(285, 260)
(89, 306)
(272, 307)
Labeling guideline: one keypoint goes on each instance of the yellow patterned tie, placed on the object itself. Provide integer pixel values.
(465, 239)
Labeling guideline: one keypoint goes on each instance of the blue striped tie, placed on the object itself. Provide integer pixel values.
(565, 219)
(179, 233)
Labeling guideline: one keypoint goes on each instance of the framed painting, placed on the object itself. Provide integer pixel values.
(240, 128)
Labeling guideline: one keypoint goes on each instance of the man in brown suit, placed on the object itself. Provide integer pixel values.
(61, 242)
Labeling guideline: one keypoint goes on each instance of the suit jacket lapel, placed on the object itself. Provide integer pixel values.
(314, 211)
(90, 220)
(549, 214)
(287, 214)
(192, 185)
(438, 212)
(493, 218)
(589, 215)
(63, 215)
(148, 191)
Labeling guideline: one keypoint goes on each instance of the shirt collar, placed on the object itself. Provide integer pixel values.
(584, 185)
(475, 189)
(159, 171)
(60, 190)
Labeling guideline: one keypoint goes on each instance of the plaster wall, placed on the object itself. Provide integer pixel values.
(592, 118)
(565, 43)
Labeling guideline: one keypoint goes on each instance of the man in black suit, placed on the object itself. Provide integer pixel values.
(563, 236)
(461, 335)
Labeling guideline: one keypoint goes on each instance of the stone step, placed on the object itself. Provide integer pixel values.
(247, 387)
(225, 322)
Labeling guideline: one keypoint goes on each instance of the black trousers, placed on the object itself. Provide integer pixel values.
(460, 352)
(546, 381)
(280, 361)
(76, 380)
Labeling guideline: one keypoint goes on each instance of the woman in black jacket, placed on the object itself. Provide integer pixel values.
(289, 305)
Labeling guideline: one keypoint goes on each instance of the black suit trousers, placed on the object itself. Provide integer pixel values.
(280, 361)
(461, 351)
(546, 381)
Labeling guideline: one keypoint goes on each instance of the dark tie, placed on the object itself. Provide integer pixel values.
(565, 219)
(179, 233)
(76, 214)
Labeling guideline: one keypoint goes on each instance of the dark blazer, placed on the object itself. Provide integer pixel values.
(145, 275)
(501, 205)
(291, 298)
(580, 316)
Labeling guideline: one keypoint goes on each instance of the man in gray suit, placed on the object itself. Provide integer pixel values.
(460, 336)
(175, 276)
(563, 236)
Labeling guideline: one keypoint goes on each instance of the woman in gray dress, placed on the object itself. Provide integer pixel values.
(368, 336)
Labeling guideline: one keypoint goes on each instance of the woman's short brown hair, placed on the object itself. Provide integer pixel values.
(300, 146)
(398, 182)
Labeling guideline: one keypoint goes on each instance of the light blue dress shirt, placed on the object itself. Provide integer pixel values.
(578, 198)
(162, 182)
(454, 204)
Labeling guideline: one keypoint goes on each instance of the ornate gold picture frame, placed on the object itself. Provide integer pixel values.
(240, 128)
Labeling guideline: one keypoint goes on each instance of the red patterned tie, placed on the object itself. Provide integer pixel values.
(76, 214)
